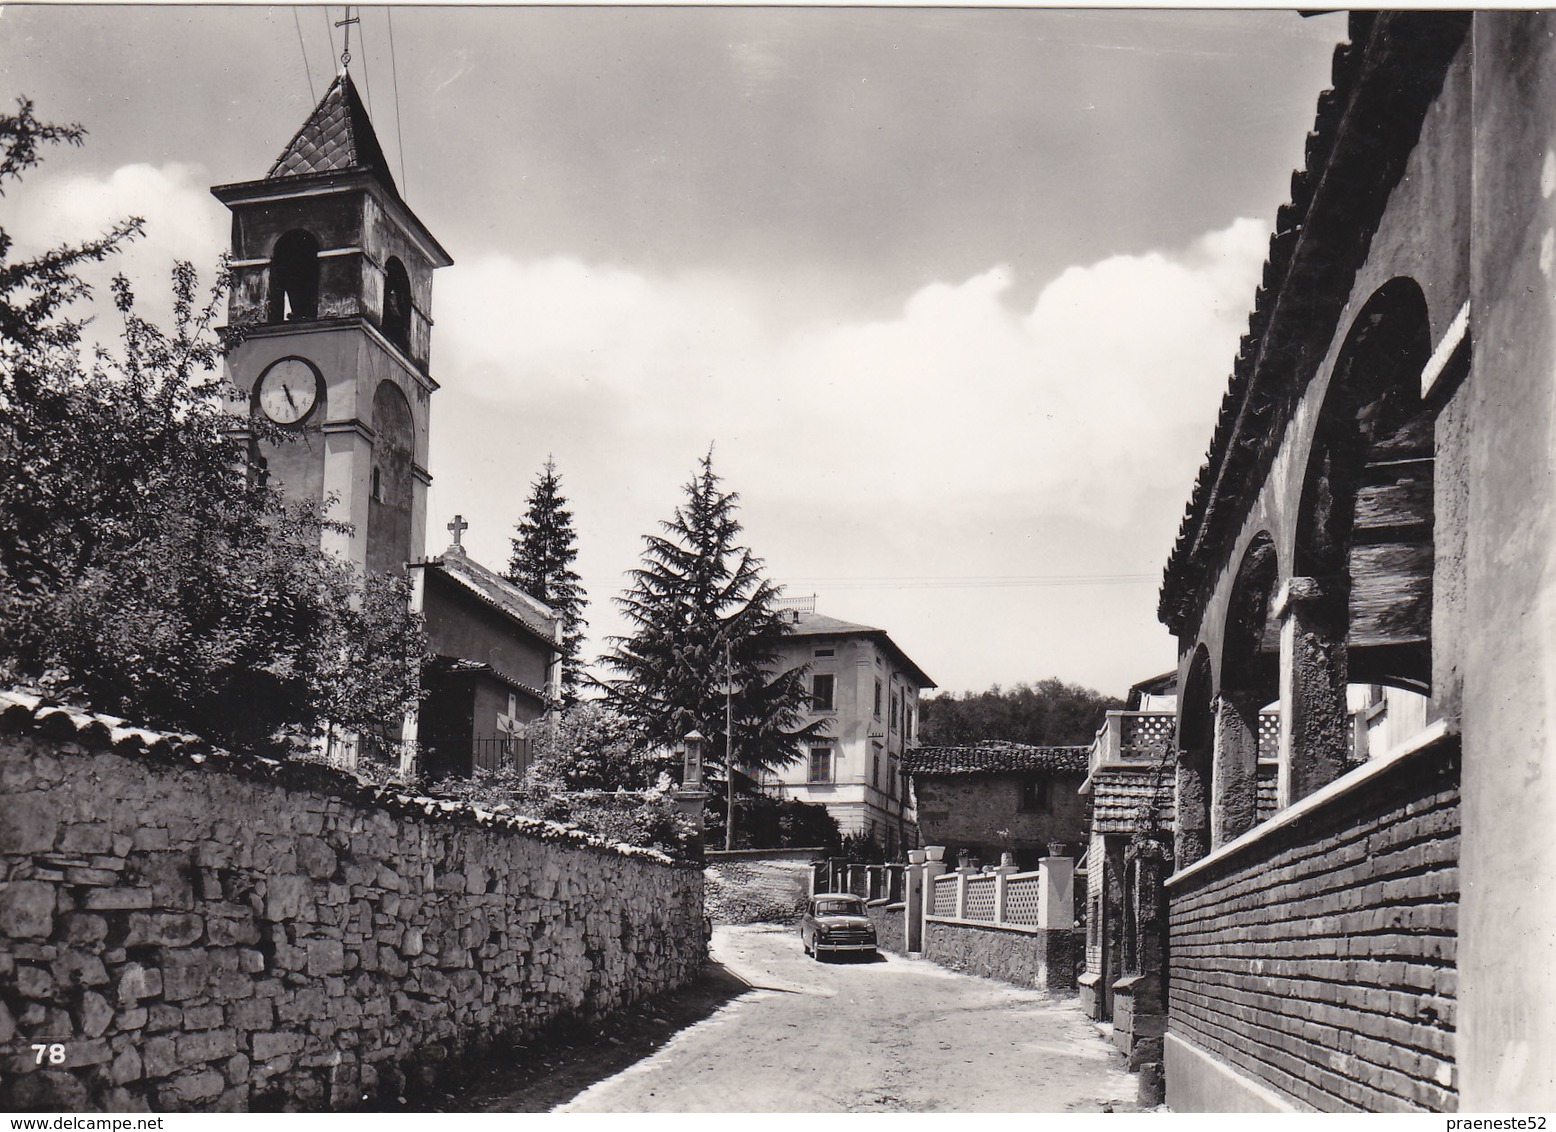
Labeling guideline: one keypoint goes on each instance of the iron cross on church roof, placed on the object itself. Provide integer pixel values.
(458, 527)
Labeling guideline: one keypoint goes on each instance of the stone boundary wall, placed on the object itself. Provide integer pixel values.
(205, 931)
(1038, 958)
(1320, 960)
(890, 926)
(750, 886)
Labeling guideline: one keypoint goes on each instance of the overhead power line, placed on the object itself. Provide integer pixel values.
(307, 70)
(986, 581)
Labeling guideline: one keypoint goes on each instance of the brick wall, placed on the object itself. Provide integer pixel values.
(1320, 959)
(207, 931)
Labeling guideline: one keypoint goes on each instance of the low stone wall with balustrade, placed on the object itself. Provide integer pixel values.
(1016, 927)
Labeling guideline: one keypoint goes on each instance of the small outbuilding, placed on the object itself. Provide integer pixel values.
(997, 797)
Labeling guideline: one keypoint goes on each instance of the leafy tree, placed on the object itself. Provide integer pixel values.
(542, 566)
(697, 594)
(1049, 713)
(142, 567)
(594, 748)
(763, 822)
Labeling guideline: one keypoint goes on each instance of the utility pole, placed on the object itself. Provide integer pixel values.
(729, 750)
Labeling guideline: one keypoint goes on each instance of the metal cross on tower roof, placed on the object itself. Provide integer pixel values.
(458, 527)
(345, 54)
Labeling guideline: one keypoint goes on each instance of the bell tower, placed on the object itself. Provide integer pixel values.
(332, 291)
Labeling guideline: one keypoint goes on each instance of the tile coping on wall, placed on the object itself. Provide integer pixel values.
(1424, 740)
(991, 925)
(23, 712)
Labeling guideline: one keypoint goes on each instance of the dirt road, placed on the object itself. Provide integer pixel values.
(882, 1036)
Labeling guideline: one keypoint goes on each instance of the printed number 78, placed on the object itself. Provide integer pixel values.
(55, 1052)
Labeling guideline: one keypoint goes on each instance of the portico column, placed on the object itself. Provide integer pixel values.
(1190, 805)
(1314, 726)
(1234, 767)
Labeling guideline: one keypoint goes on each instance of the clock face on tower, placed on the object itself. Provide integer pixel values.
(288, 390)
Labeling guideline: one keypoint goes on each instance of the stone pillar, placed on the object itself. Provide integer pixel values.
(933, 867)
(1191, 806)
(1234, 788)
(913, 900)
(1314, 725)
(690, 801)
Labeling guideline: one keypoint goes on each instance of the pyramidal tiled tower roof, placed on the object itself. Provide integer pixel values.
(337, 137)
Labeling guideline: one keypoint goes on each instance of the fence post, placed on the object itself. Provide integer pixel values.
(933, 867)
(1000, 890)
(1056, 893)
(962, 873)
(913, 901)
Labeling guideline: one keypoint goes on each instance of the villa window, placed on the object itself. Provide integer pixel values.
(820, 764)
(822, 687)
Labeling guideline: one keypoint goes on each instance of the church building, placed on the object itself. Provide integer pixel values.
(332, 291)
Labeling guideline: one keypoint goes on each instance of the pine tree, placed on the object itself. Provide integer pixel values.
(696, 593)
(541, 566)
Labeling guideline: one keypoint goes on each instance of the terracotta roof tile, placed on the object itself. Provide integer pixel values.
(996, 758)
(25, 713)
(1121, 798)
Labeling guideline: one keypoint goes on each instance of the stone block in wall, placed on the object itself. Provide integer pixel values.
(118, 899)
(75, 968)
(136, 982)
(184, 974)
(94, 1015)
(27, 909)
(210, 1045)
(164, 929)
(31, 826)
(159, 1056)
(189, 1090)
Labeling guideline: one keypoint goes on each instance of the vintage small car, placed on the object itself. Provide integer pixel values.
(836, 921)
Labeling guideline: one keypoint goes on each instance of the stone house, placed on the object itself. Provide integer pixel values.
(1375, 521)
(997, 798)
(865, 689)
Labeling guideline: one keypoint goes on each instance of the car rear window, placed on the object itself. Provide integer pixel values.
(838, 908)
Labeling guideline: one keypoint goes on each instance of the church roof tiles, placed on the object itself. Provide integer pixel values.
(337, 137)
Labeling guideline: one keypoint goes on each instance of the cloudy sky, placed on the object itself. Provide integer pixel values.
(953, 293)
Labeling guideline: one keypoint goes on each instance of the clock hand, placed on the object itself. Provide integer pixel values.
(287, 389)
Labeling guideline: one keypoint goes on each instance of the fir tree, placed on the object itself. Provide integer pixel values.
(696, 594)
(541, 566)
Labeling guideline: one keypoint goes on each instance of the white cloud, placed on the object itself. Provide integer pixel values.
(1108, 382)
(183, 221)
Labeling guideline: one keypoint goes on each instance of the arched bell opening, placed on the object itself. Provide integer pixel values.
(294, 277)
(397, 304)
